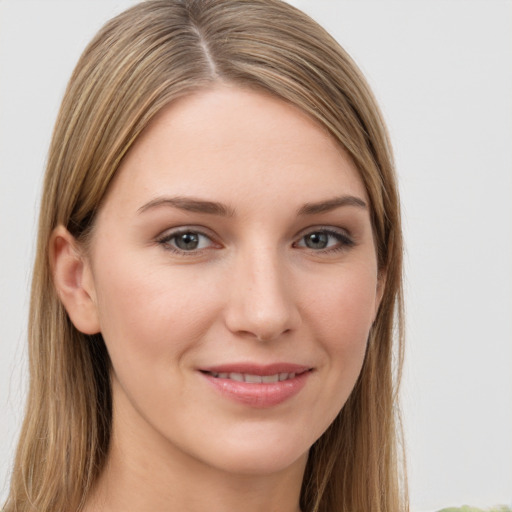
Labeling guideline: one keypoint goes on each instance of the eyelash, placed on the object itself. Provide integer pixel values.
(167, 239)
(343, 240)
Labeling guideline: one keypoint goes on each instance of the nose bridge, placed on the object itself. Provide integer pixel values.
(262, 302)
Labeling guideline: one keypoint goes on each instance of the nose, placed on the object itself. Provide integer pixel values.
(262, 304)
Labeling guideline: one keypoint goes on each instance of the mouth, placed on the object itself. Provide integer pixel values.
(258, 386)
(254, 378)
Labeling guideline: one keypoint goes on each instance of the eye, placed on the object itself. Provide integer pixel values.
(186, 240)
(325, 240)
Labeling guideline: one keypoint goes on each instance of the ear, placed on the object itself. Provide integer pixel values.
(73, 281)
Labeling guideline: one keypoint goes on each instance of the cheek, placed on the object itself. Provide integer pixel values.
(342, 314)
(150, 316)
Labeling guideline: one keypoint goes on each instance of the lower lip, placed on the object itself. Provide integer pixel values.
(259, 395)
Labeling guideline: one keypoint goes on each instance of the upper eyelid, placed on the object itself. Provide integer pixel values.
(200, 230)
(326, 228)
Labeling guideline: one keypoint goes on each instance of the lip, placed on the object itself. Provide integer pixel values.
(258, 395)
(257, 369)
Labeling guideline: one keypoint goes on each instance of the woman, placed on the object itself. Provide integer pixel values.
(218, 276)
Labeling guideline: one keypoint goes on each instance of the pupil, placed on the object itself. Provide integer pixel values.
(317, 241)
(187, 241)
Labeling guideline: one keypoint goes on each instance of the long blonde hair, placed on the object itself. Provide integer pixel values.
(138, 63)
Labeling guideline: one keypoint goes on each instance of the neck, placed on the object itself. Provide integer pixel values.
(148, 486)
(155, 475)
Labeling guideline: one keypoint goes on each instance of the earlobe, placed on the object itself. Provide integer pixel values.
(73, 281)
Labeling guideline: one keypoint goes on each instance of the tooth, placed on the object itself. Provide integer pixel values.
(254, 379)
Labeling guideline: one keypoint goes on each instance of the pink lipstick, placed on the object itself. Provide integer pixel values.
(258, 385)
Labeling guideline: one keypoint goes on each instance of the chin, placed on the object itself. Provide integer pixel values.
(257, 454)
(260, 463)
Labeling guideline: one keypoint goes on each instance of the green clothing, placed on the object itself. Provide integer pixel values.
(466, 508)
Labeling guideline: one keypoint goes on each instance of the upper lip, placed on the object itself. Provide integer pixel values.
(257, 369)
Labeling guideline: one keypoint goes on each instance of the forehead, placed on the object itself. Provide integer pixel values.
(237, 144)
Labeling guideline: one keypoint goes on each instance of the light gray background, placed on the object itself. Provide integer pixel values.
(442, 71)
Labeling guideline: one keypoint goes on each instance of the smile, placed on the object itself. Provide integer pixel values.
(258, 386)
(253, 379)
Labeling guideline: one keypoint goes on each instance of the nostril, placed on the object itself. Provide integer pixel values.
(271, 335)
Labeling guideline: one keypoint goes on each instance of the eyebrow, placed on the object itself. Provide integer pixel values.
(189, 204)
(192, 204)
(331, 204)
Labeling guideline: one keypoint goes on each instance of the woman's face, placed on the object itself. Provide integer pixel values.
(233, 273)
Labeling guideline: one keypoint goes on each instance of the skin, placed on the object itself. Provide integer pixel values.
(256, 289)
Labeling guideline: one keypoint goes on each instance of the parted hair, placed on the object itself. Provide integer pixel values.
(138, 63)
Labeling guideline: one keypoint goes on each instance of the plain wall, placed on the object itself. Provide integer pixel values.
(442, 72)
